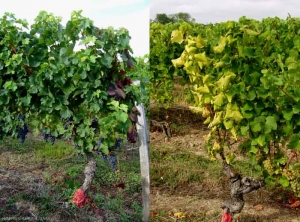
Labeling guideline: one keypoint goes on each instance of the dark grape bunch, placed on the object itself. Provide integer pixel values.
(52, 139)
(67, 122)
(22, 131)
(112, 160)
(47, 136)
(118, 143)
(94, 123)
(100, 141)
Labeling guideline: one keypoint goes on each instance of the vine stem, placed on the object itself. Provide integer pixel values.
(290, 97)
(290, 159)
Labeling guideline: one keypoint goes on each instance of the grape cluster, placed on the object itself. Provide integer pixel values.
(103, 155)
(100, 141)
(22, 131)
(47, 136)
(52, 139)
(118, 143)
(67, 122)
(112, 160)
(294, 178)
(268, 165)
(94, 123)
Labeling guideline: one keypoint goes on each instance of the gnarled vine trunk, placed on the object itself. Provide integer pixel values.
(89, 172)
(238, 187)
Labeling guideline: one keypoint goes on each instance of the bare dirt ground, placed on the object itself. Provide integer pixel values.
(201, 201)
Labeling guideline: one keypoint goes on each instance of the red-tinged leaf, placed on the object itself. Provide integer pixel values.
(226, 217)
(127, 81)
(292, 199)
(258, 207)
(120, 93)
(122, 72)
(98, 211)
(127, 54)
(120, 85)
(154, 214)
(133, 117)
(121, 185)
(79, 198)
(296, 204)
(129, 64)
(111, 90)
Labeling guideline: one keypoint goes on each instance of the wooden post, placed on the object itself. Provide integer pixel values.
(142, 129)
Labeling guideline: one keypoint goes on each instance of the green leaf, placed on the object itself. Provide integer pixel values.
(255, 126)
(270, 124)
(288, 114)
(94, 107)
(65, 112)
(11, 85)
(294, 142)
(261, 140)
(249, 52)
(284, 181)
(123, 117)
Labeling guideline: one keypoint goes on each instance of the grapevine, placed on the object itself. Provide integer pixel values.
(243, 79)
(69, 81)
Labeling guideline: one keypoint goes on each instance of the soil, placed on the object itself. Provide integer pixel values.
(201, 201)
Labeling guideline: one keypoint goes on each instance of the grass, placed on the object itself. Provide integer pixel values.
(174, 167)
(40, 180)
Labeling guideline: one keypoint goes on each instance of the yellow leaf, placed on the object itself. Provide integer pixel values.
(221, 46)
(200, 43)
(205, 78)
(190, 49)
(179, 215)
(217, 119)
(216, 147)
(224, 81)
(207, 121)
(195, 109)
(176, 36)
(233, 111)
(228, 123)
(191, 43)
(201, 57)
(219, 65)
(219, 99)
(233, 133)
(177, 62)
(207, 137)
(251, 32)
(203, 89)
(230, 157)
(205, 112)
